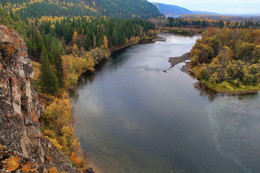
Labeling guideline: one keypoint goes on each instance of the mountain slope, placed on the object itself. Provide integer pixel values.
(68, 8)
(172, 10)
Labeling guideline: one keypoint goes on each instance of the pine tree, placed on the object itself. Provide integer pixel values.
(48, 80)
(56, 56)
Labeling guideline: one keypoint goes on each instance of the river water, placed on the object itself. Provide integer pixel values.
(135, 114)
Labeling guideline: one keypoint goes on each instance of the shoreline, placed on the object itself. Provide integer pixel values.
(238, 91)
(190, 32)
(143, 40)
(92, 166)
(187, 69)
(114, 49)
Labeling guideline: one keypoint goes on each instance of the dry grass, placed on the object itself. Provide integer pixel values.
(37, 70)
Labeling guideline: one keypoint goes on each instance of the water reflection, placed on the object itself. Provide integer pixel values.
(205, 91)
(135, 120)
(212, 95)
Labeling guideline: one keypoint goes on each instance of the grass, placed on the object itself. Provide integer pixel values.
(36, 69)
(228, 88)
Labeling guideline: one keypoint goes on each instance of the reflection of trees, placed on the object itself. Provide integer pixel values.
(205, 91)
(116, 61)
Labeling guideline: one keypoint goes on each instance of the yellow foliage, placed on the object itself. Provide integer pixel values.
(76, 144)
(75, 36)
(68, 135)
(75, 48)
(52, 26)
(74, 66)
(105, 42)
(91, 9)
(55, 143)
(58, 126)
(52, 19)
(35, 1)
(58, 114)
(79, 162)
(49, 133)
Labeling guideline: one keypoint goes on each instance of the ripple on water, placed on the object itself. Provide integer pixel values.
(236, 124)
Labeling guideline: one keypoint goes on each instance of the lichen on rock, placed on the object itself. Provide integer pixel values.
(20, 109)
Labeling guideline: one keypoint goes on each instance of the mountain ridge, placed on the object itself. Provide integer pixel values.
(69, 8)
(175, 10)
(172, 10)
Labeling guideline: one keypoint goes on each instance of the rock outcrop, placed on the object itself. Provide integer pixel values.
(20, 110)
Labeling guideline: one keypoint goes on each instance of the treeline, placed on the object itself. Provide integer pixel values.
(182, 31)
(46, 38)
(90, 32)
(228, 59)
(204, 23)
(221, 17)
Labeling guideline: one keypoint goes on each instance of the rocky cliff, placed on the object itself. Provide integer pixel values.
(22, 145)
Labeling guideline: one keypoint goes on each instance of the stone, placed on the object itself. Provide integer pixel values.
(20, 110)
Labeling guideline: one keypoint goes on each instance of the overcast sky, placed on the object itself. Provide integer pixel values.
(219, 6)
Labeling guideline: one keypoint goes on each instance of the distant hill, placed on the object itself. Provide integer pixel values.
(68, 8)
(222, 17)
(172, 10)
(205, 13)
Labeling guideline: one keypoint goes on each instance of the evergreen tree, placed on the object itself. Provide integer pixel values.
(48, 80)
(56, 56)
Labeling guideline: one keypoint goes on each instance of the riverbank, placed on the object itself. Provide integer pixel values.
(182, 31)
(227, 89)
(76, 66)
(223, 88)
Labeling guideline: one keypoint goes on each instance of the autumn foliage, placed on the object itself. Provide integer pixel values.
(228, 59)
(59, 130)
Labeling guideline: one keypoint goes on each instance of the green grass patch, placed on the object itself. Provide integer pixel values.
(228, 88)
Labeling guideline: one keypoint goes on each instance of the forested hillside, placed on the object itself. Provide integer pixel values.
(76, 36)
(69, 8)
(219, 22)
(228, 60)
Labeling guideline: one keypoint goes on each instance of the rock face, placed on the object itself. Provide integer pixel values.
(20, 108)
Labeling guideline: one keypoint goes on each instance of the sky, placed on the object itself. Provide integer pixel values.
(219, 6)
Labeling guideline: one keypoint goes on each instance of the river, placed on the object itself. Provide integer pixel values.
(135, 114)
